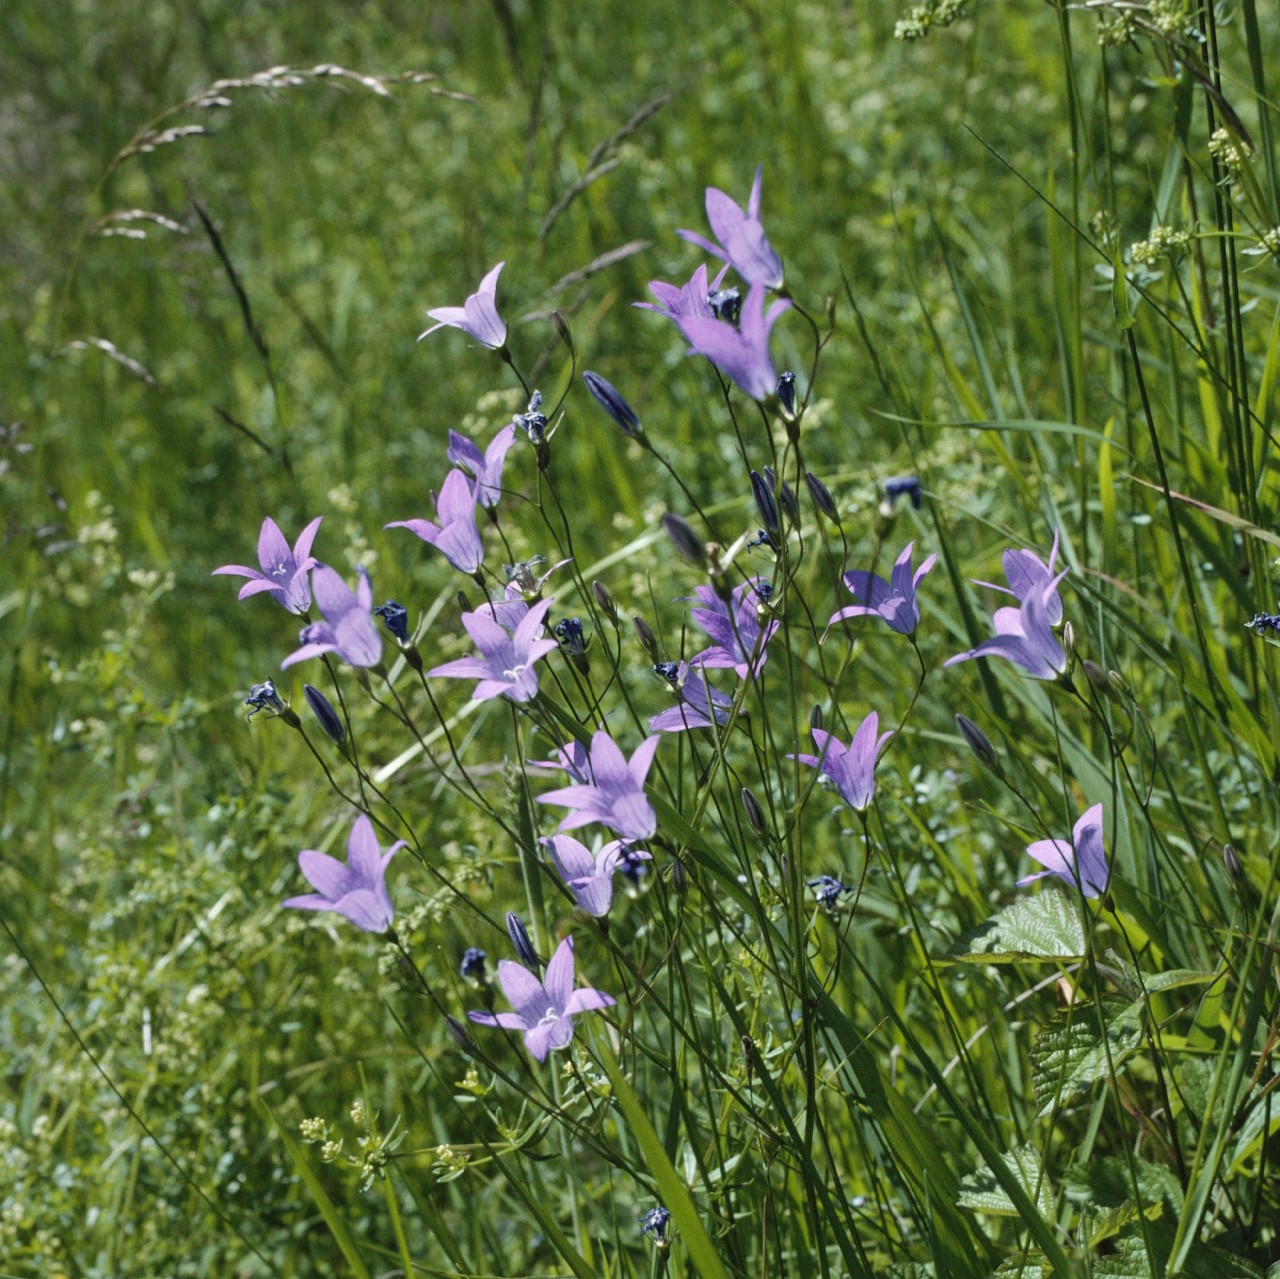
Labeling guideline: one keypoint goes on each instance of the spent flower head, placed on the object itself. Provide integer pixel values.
(356, 890)
(283, 571)
(544, 1010)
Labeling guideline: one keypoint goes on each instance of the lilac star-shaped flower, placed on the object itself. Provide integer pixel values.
(699, 705)
(678, 301)
(1025, 572)
(284, 571)
(851, 768)
(590, 878)
(543, 1012)
(573, 758)
(734, 626)
(456, 537)
(505, 665)
(348, 628)
(616, 798)
(741, 353)
(356, 890)
(894, 600)
(1081, 863)
(1025, 635)
(485, 469)
(478, 315)
(742, 241)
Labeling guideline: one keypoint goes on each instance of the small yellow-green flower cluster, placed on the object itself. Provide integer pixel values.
(924, 17)
(1169, 17)
(1163, 242)
(1115, 30)
(1228, 151)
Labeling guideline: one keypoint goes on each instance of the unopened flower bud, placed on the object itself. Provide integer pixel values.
(787, 392)
(903, 486)
(755, 814)
(1231, 860)
(458, 1033)
(645, 635)
(979, 743)
(821, 497)
(789, 503)
(766, 505)
(679, 876)
(815, 719)
(685, 540)
(329, 719)
(561, 326)
(605, 600)
(520, 940)
(607, 396)
(1069, 643)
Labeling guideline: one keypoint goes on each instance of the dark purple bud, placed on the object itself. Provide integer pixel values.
(669, 671)
(789, 503)
(979, 743)
(635, 870)
(520, 940)
(395, 617)
(726, 305)
(815, 718)
(822, 498)
(787, 392)
(458, 1033)
(472, 967)
(645, 635)
(685, 540)
(573, 641)
(606, 395)
(1096, 676)
(762, 491)
(903, 486)
(330, 721)
(679, 876)
(755, 814)
(605, 600)
(828, 890)
(464, 604)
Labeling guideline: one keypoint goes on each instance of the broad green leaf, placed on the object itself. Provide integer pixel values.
(1071, 1054)
(1046, 925)
(983, 1193)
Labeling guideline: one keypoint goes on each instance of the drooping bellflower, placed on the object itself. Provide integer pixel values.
(544, 1011)
(284, 571)
(477, 316)
(894, 600)
(1082, 863)
(357, 890)
(616, 797)
(505, 666)
(456, 536)
(348, 627)
(742, 241)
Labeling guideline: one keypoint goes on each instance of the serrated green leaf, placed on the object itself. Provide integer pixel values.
(1044, 926)
(983, 1193)
(1071, 1054)
(1109, 1183)
(1111, 1222)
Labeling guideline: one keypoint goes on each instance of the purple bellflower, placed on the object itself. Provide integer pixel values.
(284, 571)
(1025, 635)
(894, 600)
(485, 469)
(690, 299)
(573, 758)
(739, 638)
(1081, 863)
(616, 798)
(456, 536)
(357, 890)
(742, 241)
(478, 316)
(543, 1012)
(741, 353)
(590, 878)
(1025, 572)
(699, 705)
(348, 628)
(505, 664)
(851, 768)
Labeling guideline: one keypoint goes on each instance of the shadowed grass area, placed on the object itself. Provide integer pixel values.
(1033, 263)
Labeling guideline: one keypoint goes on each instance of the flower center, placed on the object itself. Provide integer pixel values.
(552, 1014)
(515, 672)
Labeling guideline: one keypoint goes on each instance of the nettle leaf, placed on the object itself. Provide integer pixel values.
(1109, 1183)
(981, 1192)
(1111, 1222)
(1129, 1259)
(1024, 1265)
(1071, 1054)
(1044, 926)
(1134, 982)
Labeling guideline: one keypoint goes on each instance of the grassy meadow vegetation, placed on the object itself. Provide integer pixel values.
(1032, 251)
